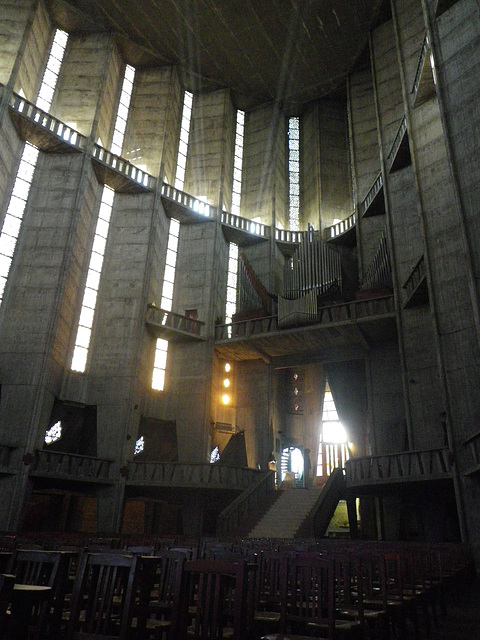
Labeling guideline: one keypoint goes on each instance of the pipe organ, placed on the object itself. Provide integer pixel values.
(315, 266)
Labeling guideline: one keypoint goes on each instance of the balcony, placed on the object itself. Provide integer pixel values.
(242, 231)
(424, 83)
(442, 6)
(472, 450)
(197, 476)
(343, 232)
(398, 468)
(351, 328)
(399, 156)
(119, 174)
(184, 207)
(374, 203)
(67, 466)
(43, 130)
(173, 326)
(416, 287)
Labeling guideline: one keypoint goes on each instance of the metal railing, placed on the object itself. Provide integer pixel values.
(230, 519)
(71, 466)
(171, 320)
(341, 227)
(186, 200)
(407, 466)
(47, 122)
(176, 474)
(124, 167)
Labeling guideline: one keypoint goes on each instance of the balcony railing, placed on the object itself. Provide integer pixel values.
(472, 449)
(162, 321)
(409, 466)
(345, 312)
(399, 156)
(186, 200)
(71, 466)
(246, 328)
(425, 50)
(176, 474)
(416, 285)
(339, 228)
(124, 167)
(47, 123)
(244, 224)
(374, 191)
(285, 235)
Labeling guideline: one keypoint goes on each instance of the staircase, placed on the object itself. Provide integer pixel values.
(287, 514)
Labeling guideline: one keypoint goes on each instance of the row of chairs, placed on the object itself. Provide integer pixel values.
(349, 591)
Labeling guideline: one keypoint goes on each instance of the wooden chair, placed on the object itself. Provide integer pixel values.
(103, 597)
(350, 594)
(6, 587)
(44, 568)
(308, 602)
(157, 591)
(213, 602)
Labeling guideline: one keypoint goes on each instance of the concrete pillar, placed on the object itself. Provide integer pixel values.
(211, 146)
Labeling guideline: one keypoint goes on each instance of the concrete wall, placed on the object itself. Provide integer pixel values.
(325, 170)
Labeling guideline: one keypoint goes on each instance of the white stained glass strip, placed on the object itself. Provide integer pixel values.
(85, 323)
(159, 367)
(237, 166)
(183, 144)
(294, 172)
(50, 77)
(232, 277)
(15, 210)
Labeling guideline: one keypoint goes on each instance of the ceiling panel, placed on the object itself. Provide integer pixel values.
(291, 51)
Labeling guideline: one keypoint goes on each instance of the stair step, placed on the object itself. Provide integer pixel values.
(286, 515)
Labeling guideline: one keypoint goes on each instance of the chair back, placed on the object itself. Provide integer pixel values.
(49, 569)
(308, 597)
(213, 601)
(6, 587)
(103, 597)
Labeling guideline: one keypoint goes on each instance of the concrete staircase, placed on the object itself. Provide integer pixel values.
(287, 513)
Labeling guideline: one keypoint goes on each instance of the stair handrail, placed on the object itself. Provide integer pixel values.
(324, 507)
(233, 515)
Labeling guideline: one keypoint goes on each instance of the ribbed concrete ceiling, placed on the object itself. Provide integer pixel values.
(290, 51)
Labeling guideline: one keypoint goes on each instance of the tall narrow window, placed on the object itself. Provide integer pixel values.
(333, 449)
(294, 173)
(232, 275)
(85, 323)
(237, 164)
(183, 144)
(28, 162)
(161, 345)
